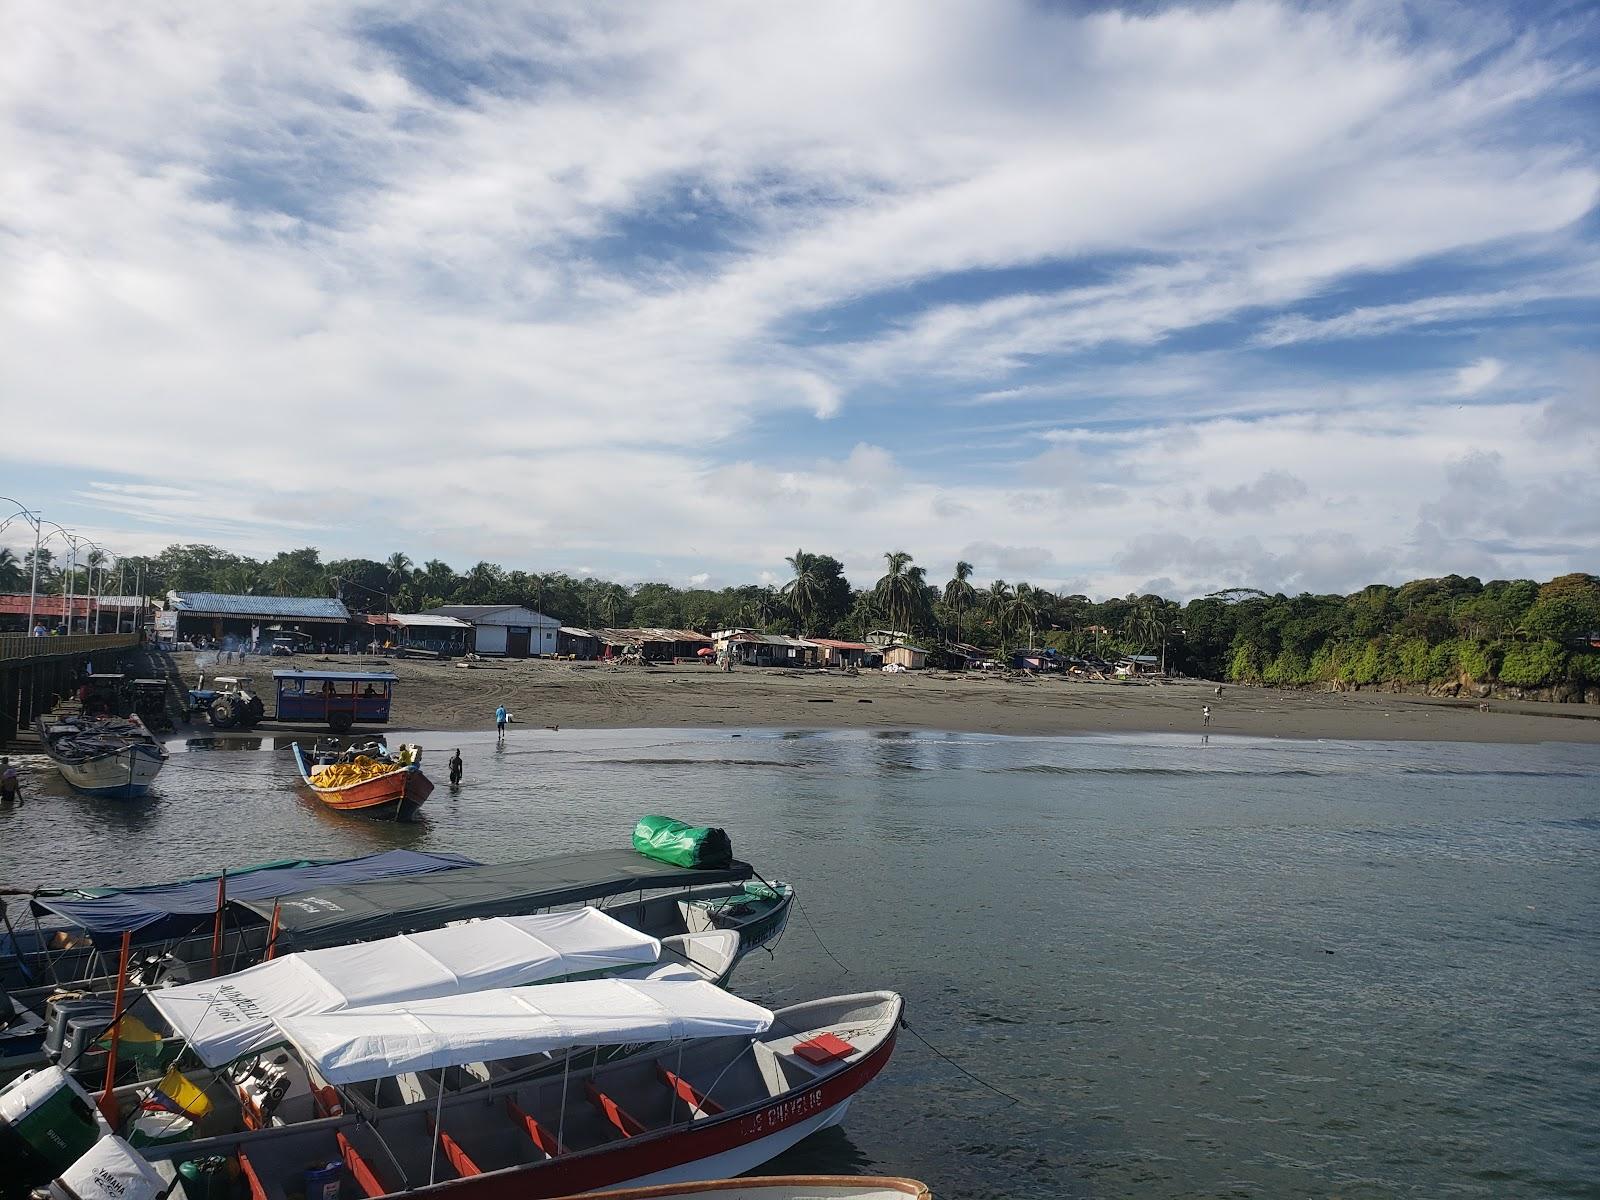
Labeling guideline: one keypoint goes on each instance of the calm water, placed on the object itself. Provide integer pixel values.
(1248, 968)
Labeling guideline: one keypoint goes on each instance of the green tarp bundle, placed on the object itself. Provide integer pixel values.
(669, 841)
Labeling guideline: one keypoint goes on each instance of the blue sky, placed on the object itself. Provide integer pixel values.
(1110, 299)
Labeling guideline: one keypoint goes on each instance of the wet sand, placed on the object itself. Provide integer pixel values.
(446, 696)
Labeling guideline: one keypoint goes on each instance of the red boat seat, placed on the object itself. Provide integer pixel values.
(626, 1125)
(252, 1180)
(542, 1137)
(700, 1105)
(458, 1158)
(360, 1170)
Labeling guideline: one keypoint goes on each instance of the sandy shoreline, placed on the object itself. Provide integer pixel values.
(443, 696)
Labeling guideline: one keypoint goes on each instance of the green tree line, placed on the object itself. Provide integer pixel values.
(1430, 631)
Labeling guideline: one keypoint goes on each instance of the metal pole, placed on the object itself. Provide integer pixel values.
(33, 589)
(72, 571)
(108, 1101)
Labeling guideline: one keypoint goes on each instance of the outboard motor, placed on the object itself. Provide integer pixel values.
(111, 1170)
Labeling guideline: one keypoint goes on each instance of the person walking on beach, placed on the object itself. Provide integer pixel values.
(1206, 715)
(455, 769)
(10, 784)
(501, 716)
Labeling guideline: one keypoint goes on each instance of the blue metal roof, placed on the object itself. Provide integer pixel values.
(318, 608)
(358, 676)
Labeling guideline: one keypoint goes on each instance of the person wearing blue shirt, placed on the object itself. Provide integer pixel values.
(501, 716)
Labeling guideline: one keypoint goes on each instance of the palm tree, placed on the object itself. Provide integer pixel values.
(12, 576)
(804, 591)
(898, 592)
(1022, 610)
(959, 594)
(1144, 626)
(399, 566)
(997, 607)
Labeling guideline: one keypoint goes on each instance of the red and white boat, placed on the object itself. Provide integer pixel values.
(367, 779)
(452, 1095)
(776, 1187)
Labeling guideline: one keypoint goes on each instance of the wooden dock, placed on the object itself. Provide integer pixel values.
(37, 672)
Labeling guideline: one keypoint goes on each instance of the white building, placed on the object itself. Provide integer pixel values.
(505, 630)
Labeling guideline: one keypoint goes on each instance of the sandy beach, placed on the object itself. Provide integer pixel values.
(541, 693)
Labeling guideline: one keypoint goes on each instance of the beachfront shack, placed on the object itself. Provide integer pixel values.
(572, 642)
(1138, 664)
(912, 658)
(831, 652)
(233, 621)
(752, 649)
(445, 636)
(504, 630)
(653, 644)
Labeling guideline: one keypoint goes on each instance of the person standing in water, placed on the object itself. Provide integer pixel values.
(455, 769)
(10, 784)
(501, 716)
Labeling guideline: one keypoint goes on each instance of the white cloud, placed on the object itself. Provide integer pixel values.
(347, 297)
(1474, 377)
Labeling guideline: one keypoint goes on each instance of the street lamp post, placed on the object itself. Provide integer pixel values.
(33, 588)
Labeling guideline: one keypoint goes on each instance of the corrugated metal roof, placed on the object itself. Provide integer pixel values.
(633, 637)
(430, 620)
(311, 608)
(835, 644)
(772, 639)
(574, 631)
(478, 614)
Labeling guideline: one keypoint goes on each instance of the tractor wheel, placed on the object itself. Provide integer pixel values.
(224, 713)
(340, 722)
(254, 711)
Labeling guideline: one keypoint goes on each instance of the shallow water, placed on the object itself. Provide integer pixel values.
(1243, 968)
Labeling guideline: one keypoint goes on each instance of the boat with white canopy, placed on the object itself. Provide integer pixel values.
(729, 1086)
(223, 1020)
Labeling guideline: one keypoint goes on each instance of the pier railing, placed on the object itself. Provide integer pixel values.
(20, 647)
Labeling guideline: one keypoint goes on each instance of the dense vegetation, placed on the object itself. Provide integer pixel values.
(1430, 631)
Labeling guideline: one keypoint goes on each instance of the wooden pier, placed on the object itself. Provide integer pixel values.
(37, 671)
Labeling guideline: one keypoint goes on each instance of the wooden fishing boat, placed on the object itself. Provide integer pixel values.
(367, 779)
(724, 1087)
(775, 1187)
(112, 757)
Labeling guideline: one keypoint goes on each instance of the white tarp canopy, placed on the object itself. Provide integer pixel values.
(240, 1013)
(386, 1039)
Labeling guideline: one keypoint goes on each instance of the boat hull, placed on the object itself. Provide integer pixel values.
(775, 1187)
(715, 1147)
(126, 775)
(399, 792)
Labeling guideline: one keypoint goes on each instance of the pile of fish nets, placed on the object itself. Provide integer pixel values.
(358, 769)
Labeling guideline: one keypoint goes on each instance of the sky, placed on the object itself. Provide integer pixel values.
(1110, 299)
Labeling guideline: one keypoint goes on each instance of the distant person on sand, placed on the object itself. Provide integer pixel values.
(455, 769)
(10, 784)
(501, 716)
(1206, 714)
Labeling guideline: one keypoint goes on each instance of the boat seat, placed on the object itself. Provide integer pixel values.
(700, 1105)
(624, 1124)
(460, 1161)
(361, 1169)
(541, 1137)
(251, 1179)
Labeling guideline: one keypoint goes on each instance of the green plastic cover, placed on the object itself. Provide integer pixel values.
(682, 845)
